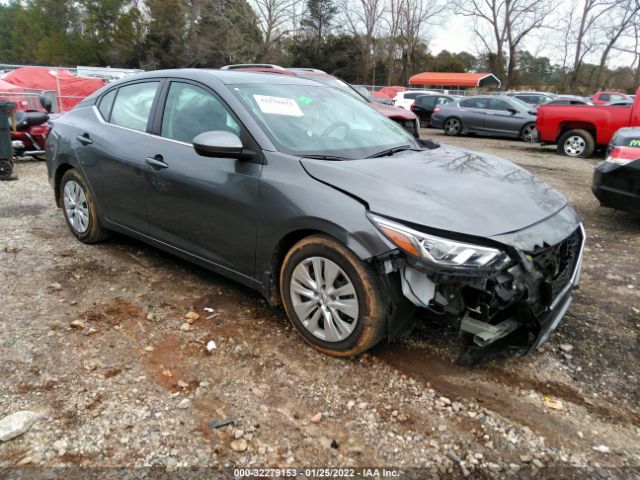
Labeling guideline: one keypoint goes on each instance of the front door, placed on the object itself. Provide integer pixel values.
(205, 206)
(502, 117)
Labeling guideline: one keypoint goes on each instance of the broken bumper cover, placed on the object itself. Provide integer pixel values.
(518, 307)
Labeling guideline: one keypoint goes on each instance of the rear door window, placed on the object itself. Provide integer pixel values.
(474, 103)
(427, 101)
(132, 105)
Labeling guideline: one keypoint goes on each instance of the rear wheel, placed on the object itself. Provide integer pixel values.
(79, 208)
(331, 297)
(452, 126)
(576, 143)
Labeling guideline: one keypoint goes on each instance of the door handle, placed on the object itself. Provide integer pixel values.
(157, 162)
(84, 139)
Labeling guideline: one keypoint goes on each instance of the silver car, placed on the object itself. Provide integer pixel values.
(492, 115)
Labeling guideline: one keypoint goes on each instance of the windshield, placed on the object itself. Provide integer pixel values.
(307, 120)
(336, 83)
(520, 104)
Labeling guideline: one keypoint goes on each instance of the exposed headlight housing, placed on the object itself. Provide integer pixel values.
(438, 250)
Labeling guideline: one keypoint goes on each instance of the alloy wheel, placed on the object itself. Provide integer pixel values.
(324, 299)
(528, 133)
(76, 207)
(452, 126)
(574, 146)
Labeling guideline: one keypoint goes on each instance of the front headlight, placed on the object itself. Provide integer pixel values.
(440, 250)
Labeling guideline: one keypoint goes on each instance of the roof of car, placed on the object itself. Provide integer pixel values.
(224, 76)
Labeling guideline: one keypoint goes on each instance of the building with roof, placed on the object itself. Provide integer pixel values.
(455, 80)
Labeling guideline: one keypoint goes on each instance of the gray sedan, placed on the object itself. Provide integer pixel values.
(492, 115)
(322, 204)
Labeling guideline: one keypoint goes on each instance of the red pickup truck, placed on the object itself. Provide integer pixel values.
(579, 129)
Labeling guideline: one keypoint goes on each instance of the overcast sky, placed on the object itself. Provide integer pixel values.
(456, 35)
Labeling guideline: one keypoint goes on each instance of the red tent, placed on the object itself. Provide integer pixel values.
(68, 88)
(9, 87)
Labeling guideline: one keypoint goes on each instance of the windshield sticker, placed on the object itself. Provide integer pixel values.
(278, 105)
(305, 100)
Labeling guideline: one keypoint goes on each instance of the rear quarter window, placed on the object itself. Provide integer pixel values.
(106, 102)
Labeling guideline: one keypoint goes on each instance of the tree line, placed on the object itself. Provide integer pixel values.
(381, 42)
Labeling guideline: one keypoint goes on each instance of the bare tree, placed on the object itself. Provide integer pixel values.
(392, 19)
(623, 17)
(415, 15)
(585, 41)
(502, 25)
(522, 18)
(276, 20)
(362, 19)
(488, 26)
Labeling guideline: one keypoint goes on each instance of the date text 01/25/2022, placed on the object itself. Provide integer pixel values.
(310, 473)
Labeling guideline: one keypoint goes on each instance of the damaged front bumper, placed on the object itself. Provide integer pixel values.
(516, 308)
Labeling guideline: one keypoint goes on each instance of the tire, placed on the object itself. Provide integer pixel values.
(452, 126)
(416, 128)
(576, 143)
(6, 169)
(363, 321)
(79, 208)
(528, 133)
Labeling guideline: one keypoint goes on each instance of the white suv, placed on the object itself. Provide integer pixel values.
(405, 99)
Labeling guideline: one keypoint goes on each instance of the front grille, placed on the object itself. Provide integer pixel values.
(557, 265)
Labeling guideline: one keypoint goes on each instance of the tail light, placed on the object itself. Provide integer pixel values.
(436, 110)
(623, 155)
(412, 106)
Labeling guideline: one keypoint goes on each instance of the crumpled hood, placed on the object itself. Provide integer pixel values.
(445, 188)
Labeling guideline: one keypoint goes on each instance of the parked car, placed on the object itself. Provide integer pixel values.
(569, 100)
(485, 114)
(366, 93)
(602, 98)
(389, 92)
(578, 129)
(307, 195)
(405, 99)
(408, 120)
(424, 105)
(532, 98)
(616, 180)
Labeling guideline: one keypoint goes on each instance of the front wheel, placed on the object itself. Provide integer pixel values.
(576, 143)
(452, 127)
(331, 297)
(79, 208)
(528, 133)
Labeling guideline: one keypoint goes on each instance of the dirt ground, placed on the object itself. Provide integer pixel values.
(91, 339)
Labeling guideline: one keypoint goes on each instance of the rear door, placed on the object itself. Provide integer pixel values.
(113, 149)
(203, 205)
(473, 113)
(423, 107)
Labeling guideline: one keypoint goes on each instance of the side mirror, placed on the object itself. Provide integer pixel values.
(46, 103)
(218, 143)
(513, 111)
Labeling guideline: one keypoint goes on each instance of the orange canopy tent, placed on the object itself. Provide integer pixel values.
(446, 79)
